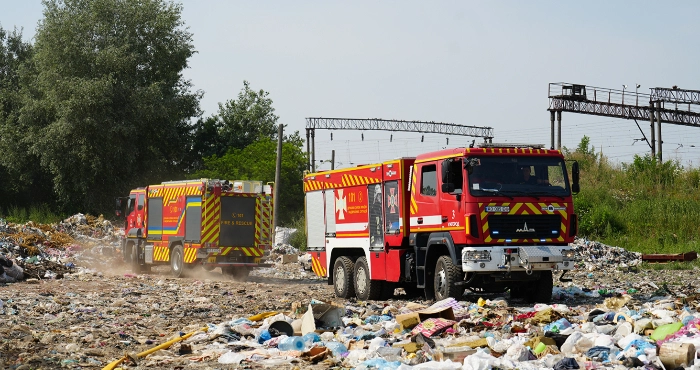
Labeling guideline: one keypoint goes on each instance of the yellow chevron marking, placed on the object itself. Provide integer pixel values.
(534, 209)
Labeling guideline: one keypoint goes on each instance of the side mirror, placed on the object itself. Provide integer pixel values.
(575, 188)
(119, 207)
(470, 163)
(448, 188)
(446, 170)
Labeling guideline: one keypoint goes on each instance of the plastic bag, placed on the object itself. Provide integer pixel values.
(479, 361)
(663, 331)
(232, 358)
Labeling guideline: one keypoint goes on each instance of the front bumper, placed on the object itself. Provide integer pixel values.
(517, 258)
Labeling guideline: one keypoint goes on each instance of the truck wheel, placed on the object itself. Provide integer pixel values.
(134, 257)
(208, 267)
(342, 277)
(365, 288)
(177, 261)
(446, 275)
(543, 293)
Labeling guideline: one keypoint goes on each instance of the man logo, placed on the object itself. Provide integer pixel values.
(525, 229)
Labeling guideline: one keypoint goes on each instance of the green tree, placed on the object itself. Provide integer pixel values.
(21, 182)
(584, 153)
(109, 109)
(238, 123)
(257, 161)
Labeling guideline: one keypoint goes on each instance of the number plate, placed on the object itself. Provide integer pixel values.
(213, 250)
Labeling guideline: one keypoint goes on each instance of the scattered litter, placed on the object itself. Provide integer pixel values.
(73, 304)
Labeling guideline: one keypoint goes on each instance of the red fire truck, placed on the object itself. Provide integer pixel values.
(189, 223)
(490, 218)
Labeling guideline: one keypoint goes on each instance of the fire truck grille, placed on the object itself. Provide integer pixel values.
(524, 226)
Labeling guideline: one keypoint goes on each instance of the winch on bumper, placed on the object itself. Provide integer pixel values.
(517, 258)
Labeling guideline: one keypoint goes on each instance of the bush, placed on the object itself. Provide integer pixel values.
(643, 206)
(41, 214)
(298, 239)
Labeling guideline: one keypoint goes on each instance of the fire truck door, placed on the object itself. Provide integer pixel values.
(318, 212)
(140, 201)
(451, 187)
(392, 212)
(425, 212)
(376, 223)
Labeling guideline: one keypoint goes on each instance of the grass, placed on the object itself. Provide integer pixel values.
(298, 239)
(692, 265)
(644, 206)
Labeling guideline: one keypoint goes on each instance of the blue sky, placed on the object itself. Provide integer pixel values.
(473, 63)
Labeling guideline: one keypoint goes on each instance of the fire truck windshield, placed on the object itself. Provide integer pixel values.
(517, 175)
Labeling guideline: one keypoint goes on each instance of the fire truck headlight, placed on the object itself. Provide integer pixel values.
(568, 254)
(477, 256)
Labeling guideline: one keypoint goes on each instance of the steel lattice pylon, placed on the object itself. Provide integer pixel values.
(566, 97)
(675, 95)
(377, 124)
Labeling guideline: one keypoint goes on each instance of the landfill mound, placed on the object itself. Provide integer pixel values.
(50, 251)
(79, 306)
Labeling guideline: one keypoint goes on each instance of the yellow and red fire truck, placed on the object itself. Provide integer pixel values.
(490, 218)
(207, 222)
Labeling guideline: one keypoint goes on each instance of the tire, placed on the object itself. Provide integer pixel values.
(134, 259)
(208, 267)
(343, 277)
(366, 288)
(544, 285)
(446, 275)
(177, 261)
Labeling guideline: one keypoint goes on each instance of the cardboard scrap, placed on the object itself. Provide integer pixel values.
(308, 324)
(315, 354)
(410, 320)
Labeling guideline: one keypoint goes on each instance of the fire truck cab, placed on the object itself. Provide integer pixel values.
(487, 219)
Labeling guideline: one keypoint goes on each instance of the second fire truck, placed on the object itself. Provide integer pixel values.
(489, 219)
(208, 222)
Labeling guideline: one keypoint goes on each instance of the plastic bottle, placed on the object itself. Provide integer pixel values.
(336, 347)
(375, 344)
(310, 338)
(291, 344)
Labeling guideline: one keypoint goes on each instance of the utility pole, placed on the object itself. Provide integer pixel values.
(332, 159)
(278, 169)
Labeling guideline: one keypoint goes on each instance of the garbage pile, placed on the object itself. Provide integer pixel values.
(459, 335)
(619, 333)
(50, 251)
(593, 255)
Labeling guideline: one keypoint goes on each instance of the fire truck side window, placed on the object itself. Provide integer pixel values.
(131, 205)
(456, 174)
(140, 202)
(428, 180)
